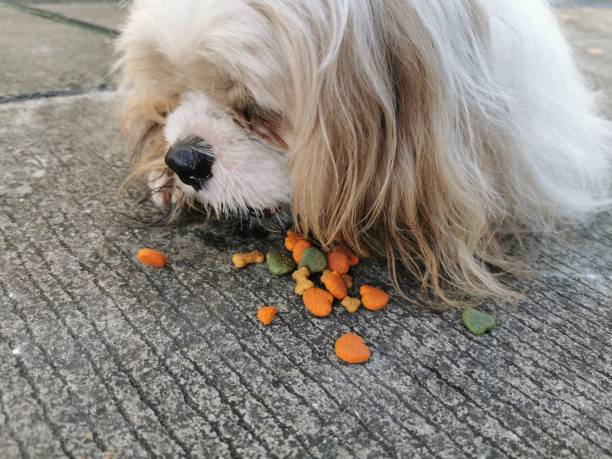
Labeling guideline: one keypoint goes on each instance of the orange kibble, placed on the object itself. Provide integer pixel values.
(373, 298)
(291, 240)
(266, 314)
(151, 257)
(334, 284)
(338, 261)
(352, 258)
(318, 302)
(299, 248)
(351, 348)
(242, 260)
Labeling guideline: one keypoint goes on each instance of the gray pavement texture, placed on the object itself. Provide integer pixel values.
(102, 357)
(40, 55)
(103, 14)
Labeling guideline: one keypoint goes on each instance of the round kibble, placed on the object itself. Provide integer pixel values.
(279, 264)
(266, 314)
(318, 302)
(477, 322)
(151, 257)
(334, 284)
(299, 248)
(373, 298)
(338, 261)
(291, 240)
(314, 260)
(352, 258)
(351, 348)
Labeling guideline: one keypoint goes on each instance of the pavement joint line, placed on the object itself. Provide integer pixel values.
(55, 94)
(60, 18)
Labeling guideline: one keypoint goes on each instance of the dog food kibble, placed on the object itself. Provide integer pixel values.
(299, 248)
(334, 266)
(338, 261)
(348, 280)
(477, 322)
(334, 284)
(279, 264)
(351, 304)
(314, 260)
(300, 273)
(266, 314)
(291, 240)
(152, 258)
(351, 348)
(242, 260)
(302, 281)
(318, 302)
(352, 258)
(373, 298)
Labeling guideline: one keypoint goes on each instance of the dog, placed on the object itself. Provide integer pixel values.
(416, 130)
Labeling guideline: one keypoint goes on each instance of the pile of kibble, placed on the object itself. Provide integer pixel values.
(302, 260)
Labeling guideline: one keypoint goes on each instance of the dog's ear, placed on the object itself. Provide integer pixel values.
(379, 160)
(142, 118)
(147, 95)
(354, 148)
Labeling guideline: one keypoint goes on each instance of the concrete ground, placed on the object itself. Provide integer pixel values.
(101, 357)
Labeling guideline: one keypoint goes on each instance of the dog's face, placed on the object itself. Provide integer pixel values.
(222, 161)
(225, 134)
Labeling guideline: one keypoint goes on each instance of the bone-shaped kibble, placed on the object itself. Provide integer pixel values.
(302, 283)
(242, 260)
(351, 304)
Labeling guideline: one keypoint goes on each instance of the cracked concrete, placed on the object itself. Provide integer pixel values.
(99, 354)
(103, 14)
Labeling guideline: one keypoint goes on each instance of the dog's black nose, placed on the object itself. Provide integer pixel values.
(192, 160)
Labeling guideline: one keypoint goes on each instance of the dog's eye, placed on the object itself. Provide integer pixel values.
(247, 115)
(249, 112)
(260, 122)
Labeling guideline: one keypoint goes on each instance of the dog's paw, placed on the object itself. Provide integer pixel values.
(161, 184)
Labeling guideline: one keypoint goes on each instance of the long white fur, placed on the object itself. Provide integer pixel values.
(560, 151)
(556, 147)
(513, 85)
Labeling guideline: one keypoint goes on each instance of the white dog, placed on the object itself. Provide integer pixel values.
(414, 129)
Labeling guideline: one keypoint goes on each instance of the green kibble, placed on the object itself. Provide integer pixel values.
(314, 260)
(280, 264)
(477, 322)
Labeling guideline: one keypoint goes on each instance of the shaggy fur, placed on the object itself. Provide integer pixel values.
(414, 129)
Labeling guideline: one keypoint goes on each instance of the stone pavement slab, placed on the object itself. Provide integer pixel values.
(39, 55)
(105, 14)
(65, 2)
(99, 354)
(589, 31)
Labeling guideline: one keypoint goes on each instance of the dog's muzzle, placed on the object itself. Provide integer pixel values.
(191, 160)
